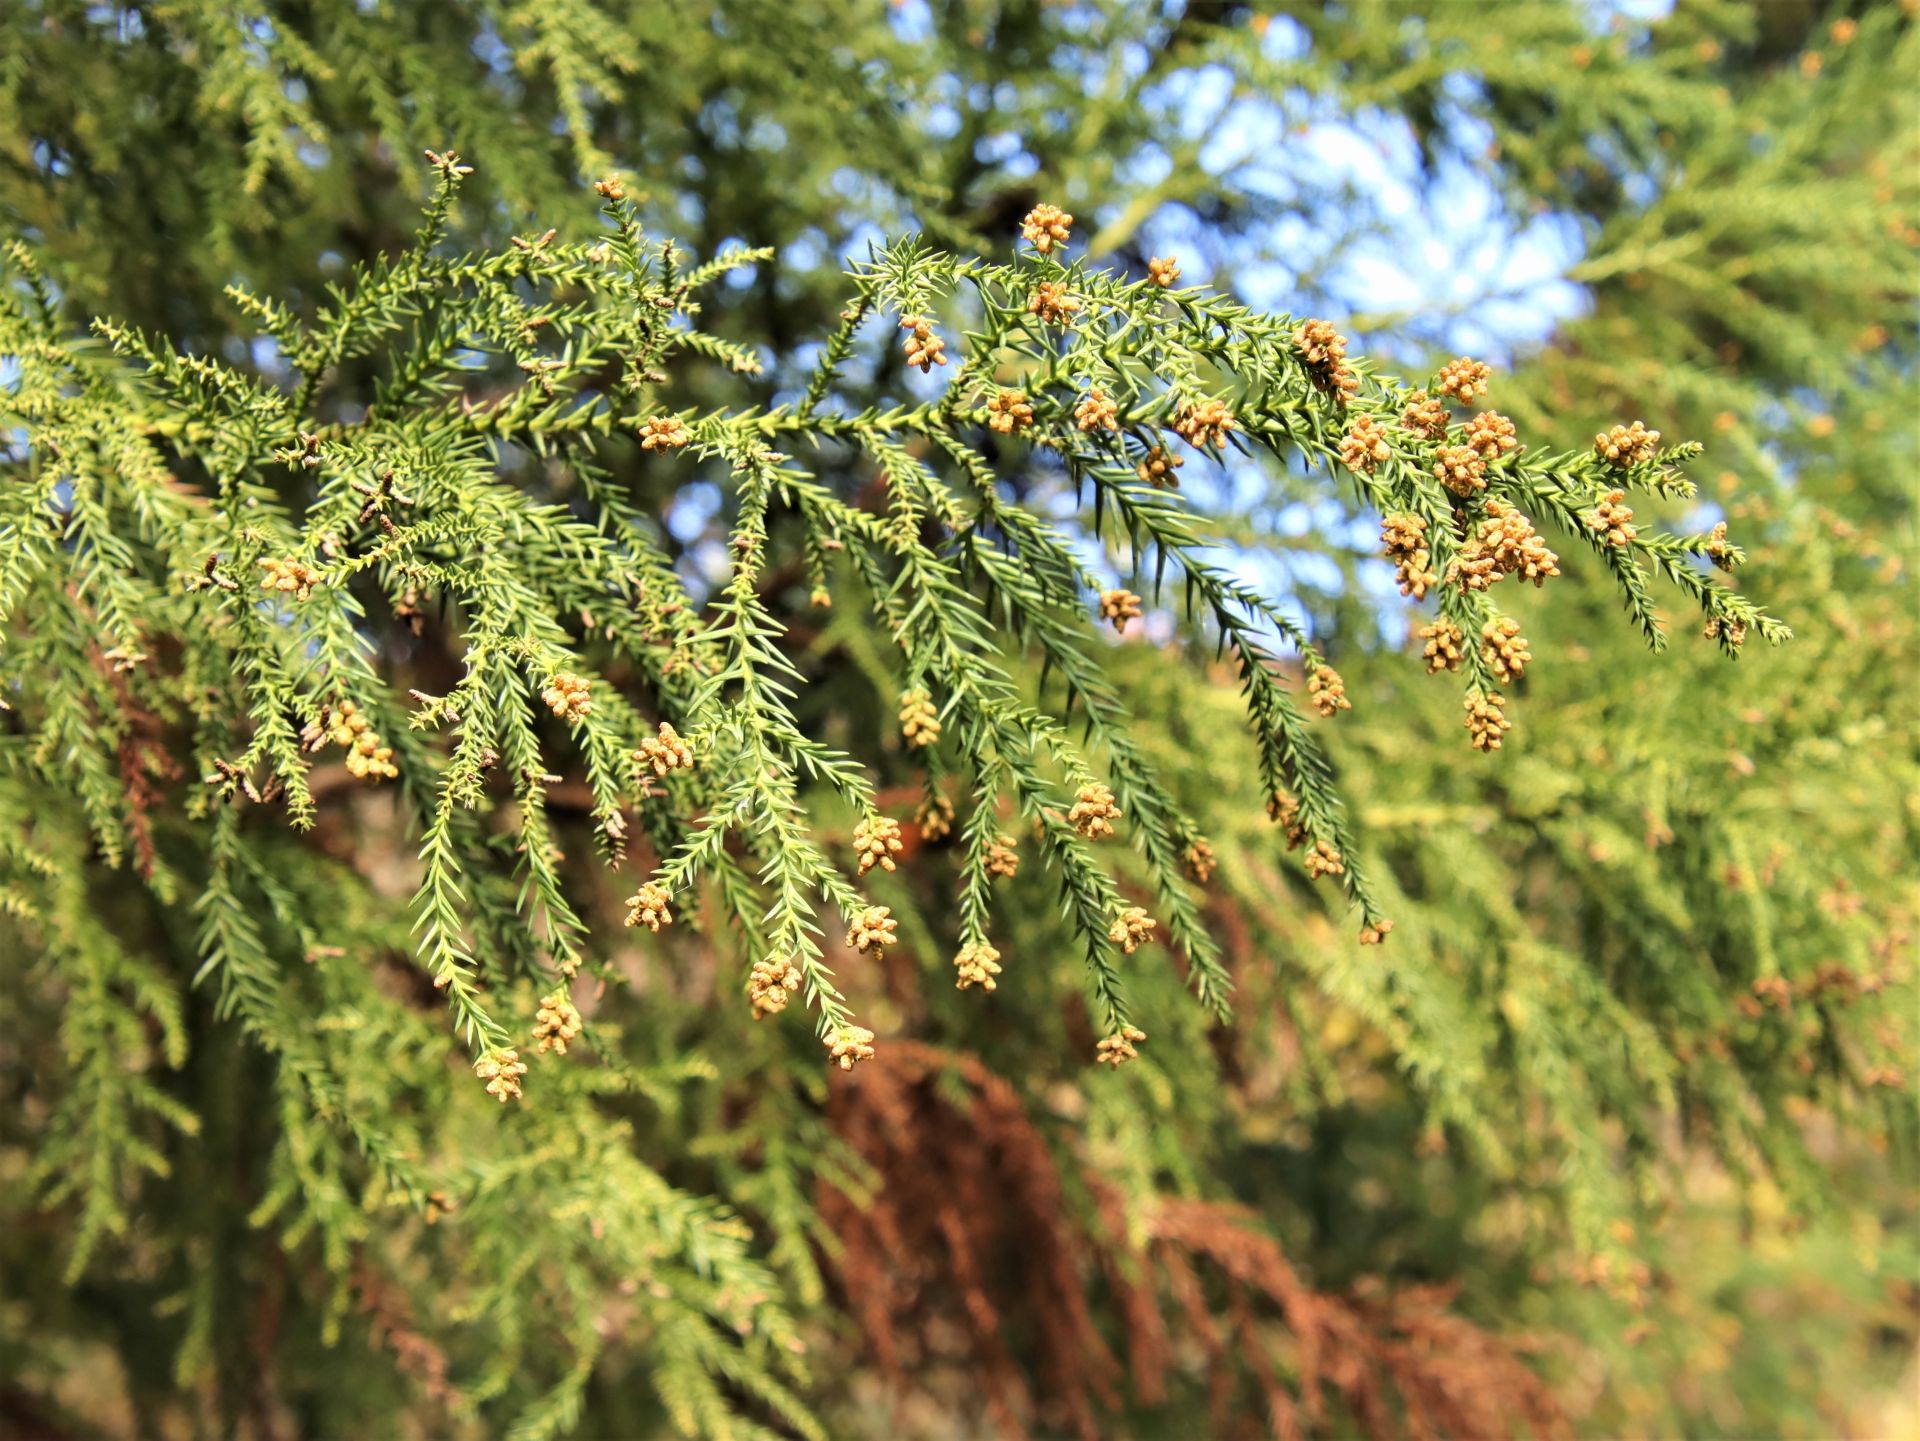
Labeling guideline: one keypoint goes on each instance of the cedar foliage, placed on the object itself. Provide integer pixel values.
(669, 1194)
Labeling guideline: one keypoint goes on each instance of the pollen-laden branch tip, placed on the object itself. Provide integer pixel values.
(1284, 811)
(1492, 435)
(1046, 226)
(501, 1070)
(873, 929)
(1052, 304)
(648, 907)
(663, 752)
(849, 1044)
(1504, 649)
(1403, 537)
(1094, 812)
(556, 1023)
(1119, 1047)
(1205, 423)
(1323, 859)
(1131, 928)
(1365, 446)
(1443, 645)
(1156, 468)
(289, 576)
(663, 432)
(346, 725)
(1627, 445)
(1119, 607)
(1003, 859)
(919, 718)
(1163, 271)
(1327, 691)
(1486, 719)
(977, 964)
(1424, 417)
(924, 348)
(934, 816)
(877, 841)
(1198, 861)
(770, 985)
(1008, 412)
(1323, 350)
(1096, 412)
(1463, 379)
(1612, 519)
(569, 697)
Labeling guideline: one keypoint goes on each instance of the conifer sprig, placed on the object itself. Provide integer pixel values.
(153, 498)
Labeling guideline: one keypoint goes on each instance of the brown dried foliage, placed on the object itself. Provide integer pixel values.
(971, 1225)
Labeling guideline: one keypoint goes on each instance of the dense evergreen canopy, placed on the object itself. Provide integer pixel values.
(715, 504)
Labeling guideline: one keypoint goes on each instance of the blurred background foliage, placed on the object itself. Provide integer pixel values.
(1568, 1106)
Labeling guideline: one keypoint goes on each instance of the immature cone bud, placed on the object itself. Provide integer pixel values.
(924, 348)
(1324, 860)
(1119, 1047)
(1486, 719)
(872, 930)
(1613, 520)
(663, 432)
(1504, 649)
(1375, 934)
(501, 1071)
(610, 188)
(1198, 861)
(1163, 272)
(663, 752)
(1096, 412)
(919, 718)
(1492, 434)
(1443, 641)
(1131, 927)
(1050, 303)
(1327, 691)
(556, 1022)
(1365, 446)
(1627, 445)
(1008, 411)
(648, 907)
(1425, 417)
(977, 965)
(1205, 423)
(877, 841)
(566, 696)
(1119, 606)
(1404, 539)
(1463, 379)
(1046, 226)
(1093, 814)
(769, 986)
(1324, 352)
(1002, 858)
(290, 576)
(1157, 468)
(850, 1044)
